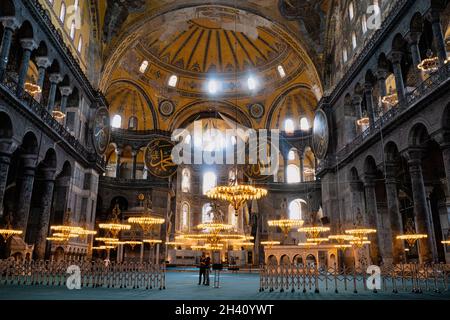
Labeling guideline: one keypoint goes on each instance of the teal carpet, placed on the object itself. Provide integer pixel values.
(183, 286)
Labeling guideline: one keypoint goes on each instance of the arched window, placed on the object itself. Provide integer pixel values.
(62, 12)
(295, 209)
(351, 11)
(354, 43)
(173, 81)
(207, 213)
(345, 55)
(72, 30)
(185, 217)
(281, 71)
(232, 175)
(132, 123)
(117, 121)
(304, 124)
(143, 67)
(364, 23)
(80, 44)
(289, 126)
(185, 180)
(209, 181)
(293, 173)
(291, 155)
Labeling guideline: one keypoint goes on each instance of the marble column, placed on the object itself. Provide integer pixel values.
(356, 188)
(28, 45)
(10, 24)
(25, 192)
(393, 209)
(42, 63)
(421, 212)
(141, 257)
(396, 58)
(157, 254)
(55, 79)
(356, 101)
(118, 157)
(438, 37)
(413, 39)
(372, 212)
(302, 167)
(46, 205)
(133, 164)
(368, 94)
(5, 159)
(66, 91)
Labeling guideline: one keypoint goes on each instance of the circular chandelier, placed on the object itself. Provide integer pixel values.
(285, 224)
(114, 226)
(429, 64)
(445, 241)
(270, 244)
(153, 241)
(313, 231)
(410, 236)
(32, 88)
(307, 244)
(317, 240)
(236, 194)
(8, 232)
(66, 231)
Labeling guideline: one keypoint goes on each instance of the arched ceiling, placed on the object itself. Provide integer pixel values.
(198, 43)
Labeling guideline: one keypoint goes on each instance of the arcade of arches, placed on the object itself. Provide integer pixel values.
(96, 99)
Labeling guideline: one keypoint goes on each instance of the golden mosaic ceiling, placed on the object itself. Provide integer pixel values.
(207, 42)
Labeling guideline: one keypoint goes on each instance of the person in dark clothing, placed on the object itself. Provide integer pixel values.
(202, 269)
(207, 268)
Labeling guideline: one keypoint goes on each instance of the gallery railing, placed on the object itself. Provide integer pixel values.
(91, 274)
(435, 80)
(43, 114)
(396, 278)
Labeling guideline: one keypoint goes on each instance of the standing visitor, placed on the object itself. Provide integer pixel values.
(202, 270)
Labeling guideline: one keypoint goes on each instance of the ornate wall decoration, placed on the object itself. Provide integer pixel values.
(166, 108)
(321, 134)
(256, 110)
(102, 130)
(158, 158)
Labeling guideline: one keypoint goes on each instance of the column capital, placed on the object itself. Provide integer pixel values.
(382, 74)
(10, 22)
(434, 16)
(29, 164)
(413, 37)
(391, 170)
(43, 62)
(395, 57)
(49, 174)
(369, 180)
(55, 78)
(28, 44)
(368, 87)
(65, 91)
(415, 154)
(357, 99)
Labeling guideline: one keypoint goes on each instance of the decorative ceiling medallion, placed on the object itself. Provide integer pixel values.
(158, 158)
(256, 110)
(102, 130)
(166, 108)
(321, 134)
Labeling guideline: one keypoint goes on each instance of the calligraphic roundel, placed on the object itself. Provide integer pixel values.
(158, 158)
(321, 134)
(102, 130)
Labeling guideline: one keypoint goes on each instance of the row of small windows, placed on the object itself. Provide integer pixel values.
(290, 126)
(117, 122)
(62, 18)
(209, 180)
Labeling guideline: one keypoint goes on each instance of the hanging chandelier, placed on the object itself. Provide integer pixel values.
(67, 231)
(32, 88)
(114, 226)
(236, 194)
(269, 244)
(307, 244)
(146, 221)
(286, 224)
(410, 236)
(8, 232)
(317, 240)
(360, 233)
(429, 64)
(312, 230)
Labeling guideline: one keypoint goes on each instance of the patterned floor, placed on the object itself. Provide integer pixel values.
(183, 286)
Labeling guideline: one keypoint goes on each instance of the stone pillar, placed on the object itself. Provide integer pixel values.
(25, 192)
(445, 147)
(118, 157)
(396, 227)
(10, 24)
(133, 164)
(357, 100)
(396, 59)
(43, 63)
(355, 200)
(368, 94)
(141, 258)
(28, 45)
(302, 167)
(54, 78)
(438, 38)
(372, 213)
(421, 212)
(65, 93)
(157, 254)
(5, 158)
(413, 39)
(46, 206)
(382, 74)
